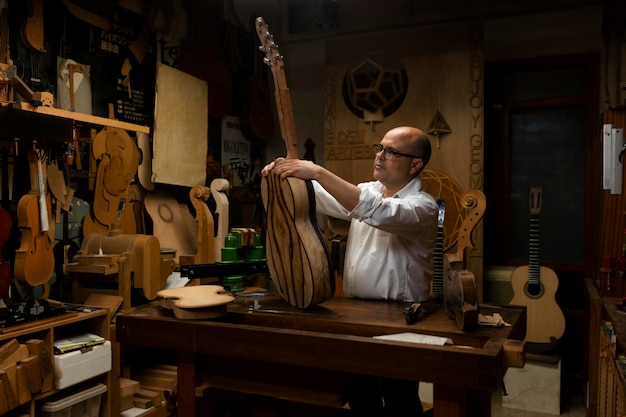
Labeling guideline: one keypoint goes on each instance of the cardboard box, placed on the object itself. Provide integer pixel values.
(74, 367)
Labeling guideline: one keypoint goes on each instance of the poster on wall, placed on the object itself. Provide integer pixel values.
(241, 161)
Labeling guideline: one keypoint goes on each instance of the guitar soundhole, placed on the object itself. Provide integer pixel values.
(534, 290)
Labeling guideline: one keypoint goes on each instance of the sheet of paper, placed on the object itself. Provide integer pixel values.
(417, 338)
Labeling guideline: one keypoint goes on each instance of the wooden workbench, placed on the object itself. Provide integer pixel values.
(306, 355)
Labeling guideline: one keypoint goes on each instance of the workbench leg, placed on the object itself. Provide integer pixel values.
(186, 384)
(460, 402)
(123, 281)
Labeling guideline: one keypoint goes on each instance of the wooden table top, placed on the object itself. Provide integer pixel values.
(336, 336)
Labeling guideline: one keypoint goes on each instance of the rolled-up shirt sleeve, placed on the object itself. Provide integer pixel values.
(390, 243)
(409, 211)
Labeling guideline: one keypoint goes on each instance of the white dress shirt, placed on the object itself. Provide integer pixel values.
(390, 242)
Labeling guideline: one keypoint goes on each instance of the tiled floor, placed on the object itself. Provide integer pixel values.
(572, 402)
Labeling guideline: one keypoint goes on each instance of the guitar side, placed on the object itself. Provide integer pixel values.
(297, 257)
(545, 320)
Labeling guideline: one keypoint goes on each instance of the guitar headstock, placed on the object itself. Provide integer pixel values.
(441, 203)
(535, 200)
(273, 58)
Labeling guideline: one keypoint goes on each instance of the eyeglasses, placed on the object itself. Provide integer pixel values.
(391, 153)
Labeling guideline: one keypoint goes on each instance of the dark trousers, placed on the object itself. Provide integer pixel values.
(376, 397)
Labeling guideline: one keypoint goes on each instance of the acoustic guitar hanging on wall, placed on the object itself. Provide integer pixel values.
(535, 286)
(297, 255)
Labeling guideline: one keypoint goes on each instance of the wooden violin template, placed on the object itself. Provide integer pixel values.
(459, 293)
(118, 158)
(297, 255)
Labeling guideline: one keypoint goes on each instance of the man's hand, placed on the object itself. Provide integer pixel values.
(346, 193)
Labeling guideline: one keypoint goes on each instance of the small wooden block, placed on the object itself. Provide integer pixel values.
(142, 402)
(157, 397)
(128, 387)
(8, 390)
(11, 371)
(39, 348)
(161, 382)
(23, 390)
(127, 402)
(4, 402)
(33, 373)
(8, 349)
(20, 354)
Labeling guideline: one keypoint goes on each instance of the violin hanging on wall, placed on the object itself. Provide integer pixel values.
(34, 260)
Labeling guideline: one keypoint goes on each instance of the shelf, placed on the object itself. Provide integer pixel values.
(51, 124)
(47, 330)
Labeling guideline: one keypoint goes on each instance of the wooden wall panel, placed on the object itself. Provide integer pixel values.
(445, 74)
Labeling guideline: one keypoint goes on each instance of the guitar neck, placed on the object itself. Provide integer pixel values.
(438, 252)
(274, 59)
(438, 263)
(534, 252)
(286, 121)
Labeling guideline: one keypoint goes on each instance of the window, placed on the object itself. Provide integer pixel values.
(540, 121)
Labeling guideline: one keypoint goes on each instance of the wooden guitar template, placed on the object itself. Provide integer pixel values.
(297, 255)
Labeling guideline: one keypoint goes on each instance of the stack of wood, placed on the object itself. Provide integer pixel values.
(132, 395)
(150, 389)
(25, 369)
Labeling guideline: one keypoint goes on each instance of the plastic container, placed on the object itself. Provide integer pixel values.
(78, 366)
(84, 403)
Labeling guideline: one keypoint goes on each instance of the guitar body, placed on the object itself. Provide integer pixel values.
(298, 258)
(545, 320)
(535, 286)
